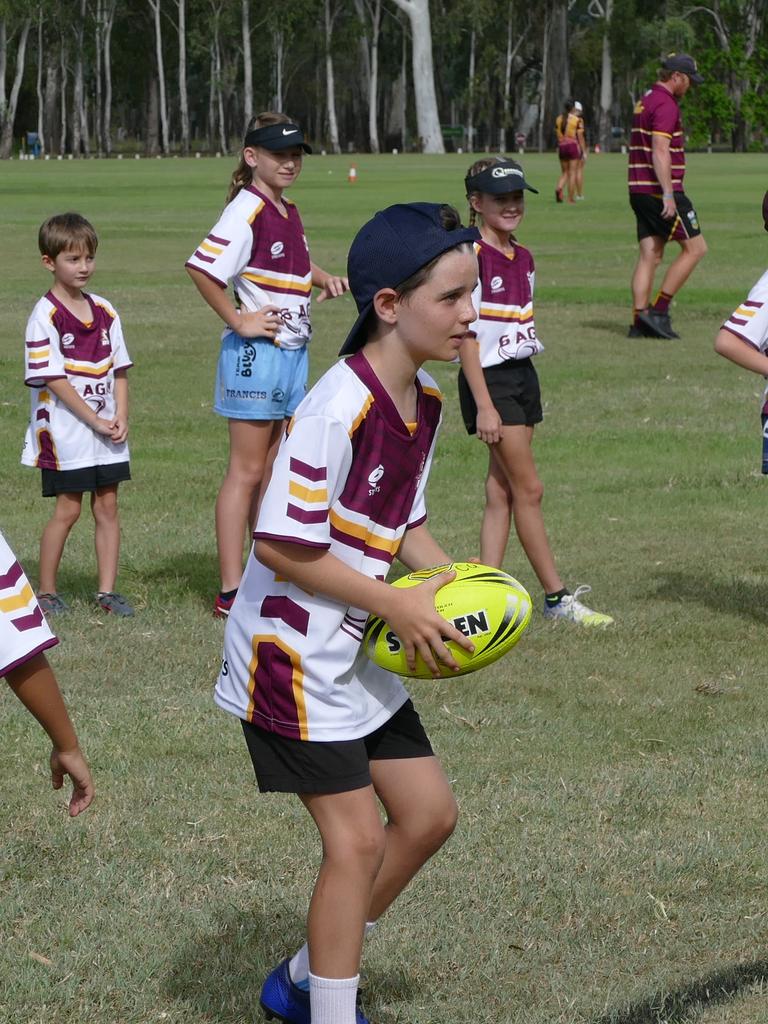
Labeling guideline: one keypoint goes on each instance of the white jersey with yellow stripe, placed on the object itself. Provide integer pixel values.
(349, 478)
(503, 297)
(264, 253)
(60, 346)
(24, 632)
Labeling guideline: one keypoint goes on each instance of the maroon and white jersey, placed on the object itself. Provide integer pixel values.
(349, 478)
(23, 629)
(749, 321)
(59, 346)
(656, 113)
(503, 297)
(265, 255)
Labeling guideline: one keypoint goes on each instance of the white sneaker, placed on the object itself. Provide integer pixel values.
(571, 608)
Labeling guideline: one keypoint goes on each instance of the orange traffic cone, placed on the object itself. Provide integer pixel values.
(352, 176)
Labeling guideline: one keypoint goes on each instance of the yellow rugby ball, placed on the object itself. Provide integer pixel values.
(485, 604)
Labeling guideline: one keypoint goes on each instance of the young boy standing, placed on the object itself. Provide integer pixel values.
(76, 364)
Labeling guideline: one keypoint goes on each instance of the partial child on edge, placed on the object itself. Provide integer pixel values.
(743, 338)
(24, 638)
(258, 244)
(345, 496)
(499, 387)
(76, 364)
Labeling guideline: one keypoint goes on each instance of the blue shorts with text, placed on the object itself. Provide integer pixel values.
(258, 380)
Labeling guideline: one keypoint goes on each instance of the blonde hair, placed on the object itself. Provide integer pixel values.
(243, 175)
(477, 168)
(66, 231)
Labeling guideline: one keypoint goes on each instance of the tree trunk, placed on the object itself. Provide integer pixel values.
(77, 87)
(370, 61)
(278, 46)
(63, 117)
(427, 119)
(163, 109)
(109, 17)
(6, 138)
(49, 100)
(3, 66)
(99, 112)
(606, 83)
(247, 65)
(471, 94)
(39, 83)
(544, 77)
(183, 94)
(220, 96)
(329, 17)
(153, 141)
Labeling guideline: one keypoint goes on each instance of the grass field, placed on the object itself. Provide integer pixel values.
(610, 864)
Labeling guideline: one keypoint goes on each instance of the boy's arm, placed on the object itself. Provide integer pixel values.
(265, 323)
(411, 613)
(67, 394)
(741, 352)
(488, 419)
(419, 550)
(120, 429)
(35, 685)
(331, 286)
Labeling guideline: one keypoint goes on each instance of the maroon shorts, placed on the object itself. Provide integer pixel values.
(569, 149)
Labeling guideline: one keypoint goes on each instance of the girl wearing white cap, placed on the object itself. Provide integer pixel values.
(570, 145)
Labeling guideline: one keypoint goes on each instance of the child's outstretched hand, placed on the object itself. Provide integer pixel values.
(332, 288)
(421, 628)
(73, 764)
(264, 323)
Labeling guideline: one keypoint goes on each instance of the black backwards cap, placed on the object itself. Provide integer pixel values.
(389, 249)
(504, 176)
(276, 137)
(685, 64)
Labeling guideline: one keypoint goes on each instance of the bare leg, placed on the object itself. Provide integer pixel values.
(649, 257)
(497, 514)
(277, 436)
(65, 515)
(249, 445)
(421, 815)
(572, 165)
(563, 175)
(515, 458)
(580, 177)
(691, 251)
(107, 535)
(353, 848)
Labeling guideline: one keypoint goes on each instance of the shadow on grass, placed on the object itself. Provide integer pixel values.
(738, 596)
(613, 327)
(218, 973)
(678, 1006)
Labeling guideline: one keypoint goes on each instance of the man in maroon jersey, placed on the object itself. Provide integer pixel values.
(662, 209)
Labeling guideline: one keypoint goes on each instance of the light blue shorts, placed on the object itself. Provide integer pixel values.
(258, 380)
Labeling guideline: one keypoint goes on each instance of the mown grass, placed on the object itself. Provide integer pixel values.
(609, 866)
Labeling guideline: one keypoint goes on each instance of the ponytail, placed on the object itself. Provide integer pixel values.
(243, 175)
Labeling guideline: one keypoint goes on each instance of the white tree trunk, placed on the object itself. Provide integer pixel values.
(427, 119)
(39, 83)
(77, 85)
(220, 96)
(370, 56)
(3, 66)
(247, 64)
(6, 139)
(606, 82)
(544, 77)
(99, 118)
(183, 95)
(63, 118)
(155, 6)
(329, 16)
(507, 94)
(109, 17)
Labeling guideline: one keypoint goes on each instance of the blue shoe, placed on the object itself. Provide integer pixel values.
(283, 1000)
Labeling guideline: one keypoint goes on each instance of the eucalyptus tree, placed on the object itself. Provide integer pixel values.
(427, 118)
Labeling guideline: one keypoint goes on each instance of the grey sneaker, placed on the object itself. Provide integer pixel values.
(114, 603)
(52, 604)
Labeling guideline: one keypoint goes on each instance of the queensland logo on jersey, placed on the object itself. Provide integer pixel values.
(277, 249)
(497, 283)
(373, 479)
(67, 340)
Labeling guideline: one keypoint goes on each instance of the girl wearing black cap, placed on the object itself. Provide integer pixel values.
(499, 387)
(259, 245)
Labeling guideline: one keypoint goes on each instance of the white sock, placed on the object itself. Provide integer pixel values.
(298, 968)
(333, 1000)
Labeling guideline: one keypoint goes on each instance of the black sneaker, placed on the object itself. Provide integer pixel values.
(656, 325)
(636, 332)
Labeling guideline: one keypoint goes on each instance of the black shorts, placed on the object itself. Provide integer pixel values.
(307, 766)
(87, 478)
(514, 390)
(647, 209)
